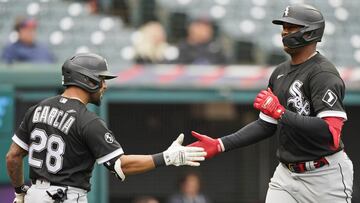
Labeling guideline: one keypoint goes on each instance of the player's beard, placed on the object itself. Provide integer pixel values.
(290, 51)
(295, 52)
(95, 98)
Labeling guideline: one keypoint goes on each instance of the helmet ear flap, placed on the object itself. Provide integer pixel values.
(294, 40)
(87, 82)
(313, 35)
(92, 83)
(308, 35)
(305, 36)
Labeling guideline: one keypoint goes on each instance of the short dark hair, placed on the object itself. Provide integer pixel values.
(22, 22)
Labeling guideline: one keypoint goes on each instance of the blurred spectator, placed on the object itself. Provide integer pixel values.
(26, 49)
(151, 45)
(189, 190)
(200, 46)
(145, 199)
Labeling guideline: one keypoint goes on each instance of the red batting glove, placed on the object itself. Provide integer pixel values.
(211, 146)
(269, 104)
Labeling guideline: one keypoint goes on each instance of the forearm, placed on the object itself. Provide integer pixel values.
(250, 134)
(315, 127)
(134, 164)
(15, 172)
(14, 164)
(176, 155)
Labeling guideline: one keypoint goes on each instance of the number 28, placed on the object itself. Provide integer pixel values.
(55, 148)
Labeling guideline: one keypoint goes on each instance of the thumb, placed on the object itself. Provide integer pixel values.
(269, 90)
(256, 105)
(197, 135)
(180, 139)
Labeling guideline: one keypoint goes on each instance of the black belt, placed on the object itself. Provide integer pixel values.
(33, 181)
(301, 167)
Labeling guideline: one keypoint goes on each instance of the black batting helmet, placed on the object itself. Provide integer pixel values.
(86, 70)
(304, 15)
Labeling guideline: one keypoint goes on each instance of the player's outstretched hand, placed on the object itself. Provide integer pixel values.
(19, 197)
(179, 155)
(211, 146)
(269, 104)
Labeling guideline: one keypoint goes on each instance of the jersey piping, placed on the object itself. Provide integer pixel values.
(340, 114)
(267, 118)
(19, 142)
(110, 156)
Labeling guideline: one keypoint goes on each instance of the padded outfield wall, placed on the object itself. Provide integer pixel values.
(146, 107)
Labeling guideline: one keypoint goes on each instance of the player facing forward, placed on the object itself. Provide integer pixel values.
(303, 107)
(63, 140)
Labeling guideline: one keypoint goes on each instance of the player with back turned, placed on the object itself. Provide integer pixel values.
(303, 107)
(63, 140)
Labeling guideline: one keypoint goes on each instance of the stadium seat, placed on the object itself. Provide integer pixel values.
(251, 20)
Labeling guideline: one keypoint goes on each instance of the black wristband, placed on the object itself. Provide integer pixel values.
(21, 189)
(158, 159)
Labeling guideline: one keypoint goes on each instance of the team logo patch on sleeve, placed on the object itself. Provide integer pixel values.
(109, 138)
(330, 98)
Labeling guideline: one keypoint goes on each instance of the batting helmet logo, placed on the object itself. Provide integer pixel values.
(286, 12)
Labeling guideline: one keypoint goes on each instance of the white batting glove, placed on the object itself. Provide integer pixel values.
(179, 155)
(19, 197)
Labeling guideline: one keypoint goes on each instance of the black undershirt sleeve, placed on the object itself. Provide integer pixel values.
(249, 134)
(314, 127)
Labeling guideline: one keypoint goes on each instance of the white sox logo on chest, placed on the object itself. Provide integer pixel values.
(297, 100)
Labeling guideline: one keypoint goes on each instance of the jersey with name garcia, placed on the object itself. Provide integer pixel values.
(64, 140)
(313, 88)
